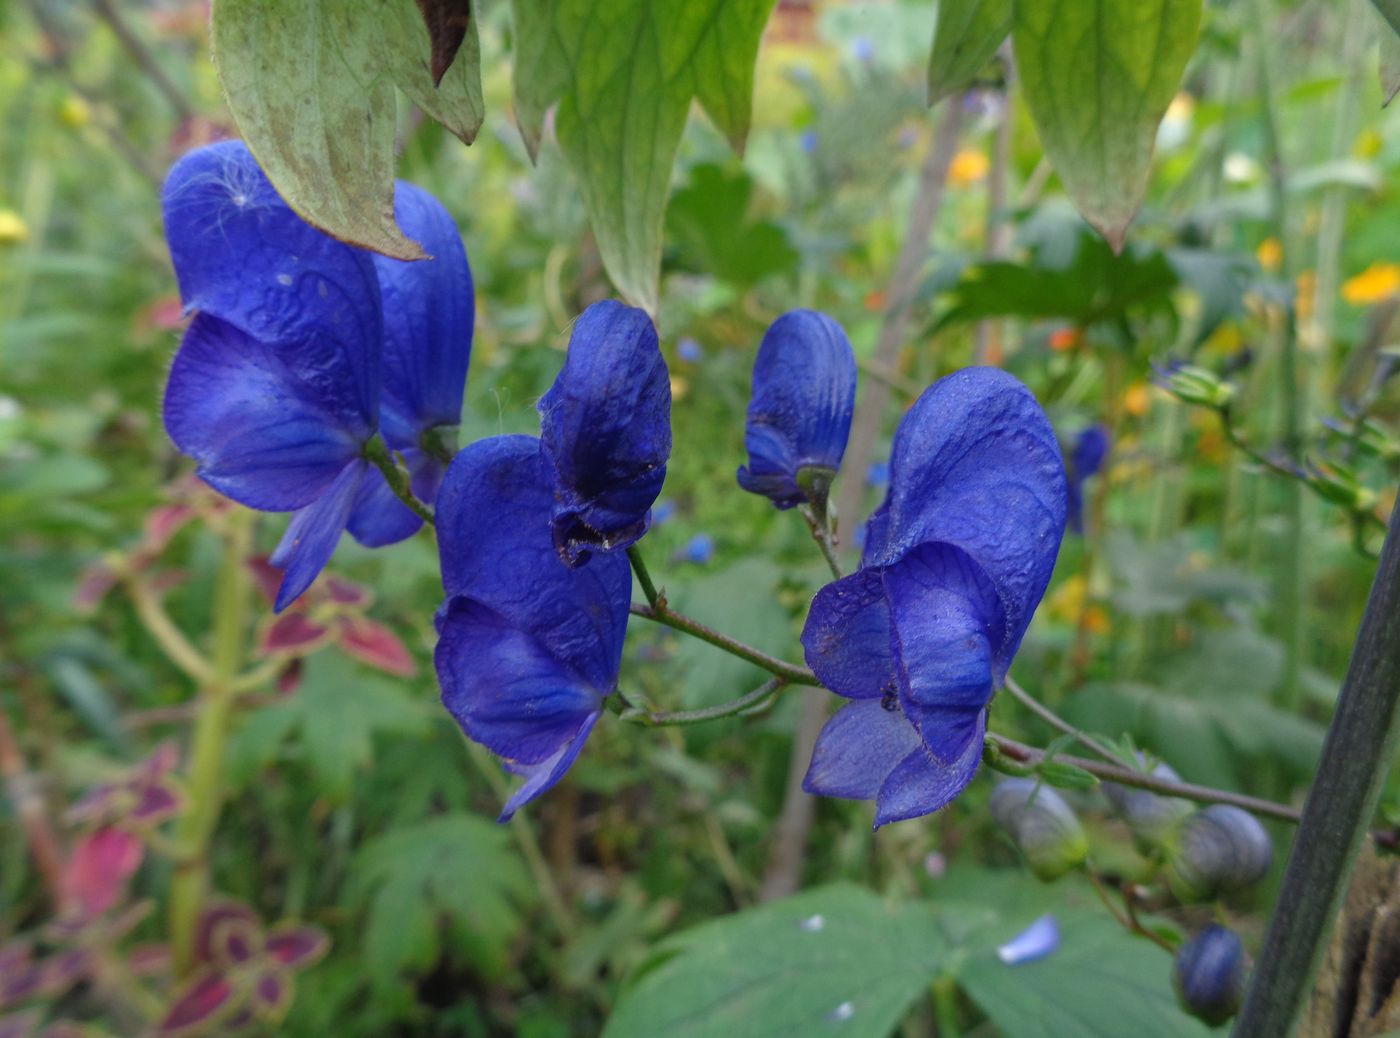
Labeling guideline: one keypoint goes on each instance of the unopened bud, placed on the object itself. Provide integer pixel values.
(1151, 817)
(1193, 385)
(1209, 975)
(1218, 850)
(1042, 825)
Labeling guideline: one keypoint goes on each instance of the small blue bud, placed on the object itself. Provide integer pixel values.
(1209, 975)
(1042, 825)
(1218, 850)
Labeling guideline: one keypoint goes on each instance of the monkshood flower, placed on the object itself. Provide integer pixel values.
(804, 390)
(1209, 974)
(606, 432)
(1086, 457)
(1035, 942)
(955, 561)
(528, 648)
(276, 389)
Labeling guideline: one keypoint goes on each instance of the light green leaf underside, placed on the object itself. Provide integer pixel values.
(1097, 76)
(311, 87)
(967, 34)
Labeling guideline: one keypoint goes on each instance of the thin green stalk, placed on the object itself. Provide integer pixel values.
(664, 718)
(821, 533)
(1055, 721)
(663, 614)
(639, 567)
(945, 1007)
(377, 454)
(204, 779)
(1356, 755)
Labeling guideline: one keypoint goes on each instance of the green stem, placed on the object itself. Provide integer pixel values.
(639, 567)
(1055, 721)
(945, 1007)
(663, 718)
(663, 614)
(204, 780)
(821, 533)
(1360, 746)
(377, 454)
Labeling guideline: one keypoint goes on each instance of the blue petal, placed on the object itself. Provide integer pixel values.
(975, 463)
(1086, 459)
(505, 688)
(429, 313)
(1036, 941)
(606, 431)
(857, 749)
(313, 533)
(799, 416)
(261, 434)
(846, 639)
(946, 620)
(242, 255)
(495, 546)
(541, 777)
(920, 785)
(379, 517)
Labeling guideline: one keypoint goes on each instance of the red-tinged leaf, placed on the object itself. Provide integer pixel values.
(371, 642)
(212, 918)
(294, 634)
(344, 593)
(93, 585)
(290, 678)
(267, 576)
(155, 804)
(62, 971)
(297, 947)
(164, 759)
(203, 1003)
(19, 1025)
(166, 580)
(97, 872)
(447, 22)
(21, 984)
(233, 941)
(272, 995)
(148, 960)
(97, 804)
(162, 523)
(166, 314)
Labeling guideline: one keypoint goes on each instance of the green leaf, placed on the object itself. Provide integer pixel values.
(311, 87)
(1066, 776)
(624, 74)
(1390, 67)
(1097, 78)
(967, 34)
(1390, 11)
(710, 224)
(455, 871)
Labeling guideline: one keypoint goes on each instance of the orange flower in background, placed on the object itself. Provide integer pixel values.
(1137, 400)
(1064, 339)
(1375, 284)
(1270, 254)
(1096, 620)
(968, 167)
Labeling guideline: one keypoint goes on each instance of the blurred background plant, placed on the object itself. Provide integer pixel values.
(163, 740)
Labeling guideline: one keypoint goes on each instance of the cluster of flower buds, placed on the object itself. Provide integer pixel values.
(1042, 825)
(1209, 974)
(1152, 819)
(1218, 850)
(1194, 385)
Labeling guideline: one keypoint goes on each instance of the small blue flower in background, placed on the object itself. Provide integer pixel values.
(276, 389)
(689, 351)
(1036, 941)
(808, 141)
(606, 432)
(878, 474)
(529, 648)
(1209, 974)
(700, 549)
(863, 49)
(955, 561)
(662, 511)
(799, 417)
(1086, 460)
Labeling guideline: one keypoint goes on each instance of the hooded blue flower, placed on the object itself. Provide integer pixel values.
(1086, 457)
(804, 389)
(606, 432)
(276, 388)
(955, 561)
(529, 648)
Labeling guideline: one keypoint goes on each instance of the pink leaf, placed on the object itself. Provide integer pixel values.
(371, 642)
(93, 585)
(295, 634)
(198, 1007)
(97, 872)
(344, 593)
(208, 931)
(297, 947)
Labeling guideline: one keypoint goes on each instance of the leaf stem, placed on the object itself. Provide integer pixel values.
(1055, 721)
(377, 454)
(639, 566)
(172, 641)
(662, 718)
(661, 613)
(821, 533)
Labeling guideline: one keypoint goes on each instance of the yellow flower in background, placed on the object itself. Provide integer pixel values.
(74, 112)
(1067, 600)
(1368, 144)
(1305, 286)
(1270, 254)
(13, 229)
(968, 167)
(1137, 399)
(1376, 283)
(680, 386)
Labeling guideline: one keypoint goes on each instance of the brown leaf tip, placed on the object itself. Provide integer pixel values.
(447, 22)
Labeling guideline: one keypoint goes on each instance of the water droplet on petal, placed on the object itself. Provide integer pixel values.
(842, 1013)
(812, 924)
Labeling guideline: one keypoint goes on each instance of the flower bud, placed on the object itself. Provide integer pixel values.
(1042, 825)
(1209, 975)
(1151, 817)
(1218, 850)
(1193, 385)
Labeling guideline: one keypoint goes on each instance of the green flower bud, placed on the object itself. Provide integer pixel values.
(1153, 819)
(1218, 850)
(1042, 825)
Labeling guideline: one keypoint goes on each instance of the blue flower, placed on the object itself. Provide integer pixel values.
(606, 432)
(1086, 458)
(1209, 974)
(1036, 941)
(528, 648)
(276, 389)
(700, 549)
(689, 351)
(955, 561)
(804, 390)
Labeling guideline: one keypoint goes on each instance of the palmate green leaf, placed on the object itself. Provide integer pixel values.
(841, 960)
(1390, 11)
(454, 872)
(1097, 76)
(967, 34)
(312, 89)
(624, 73)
